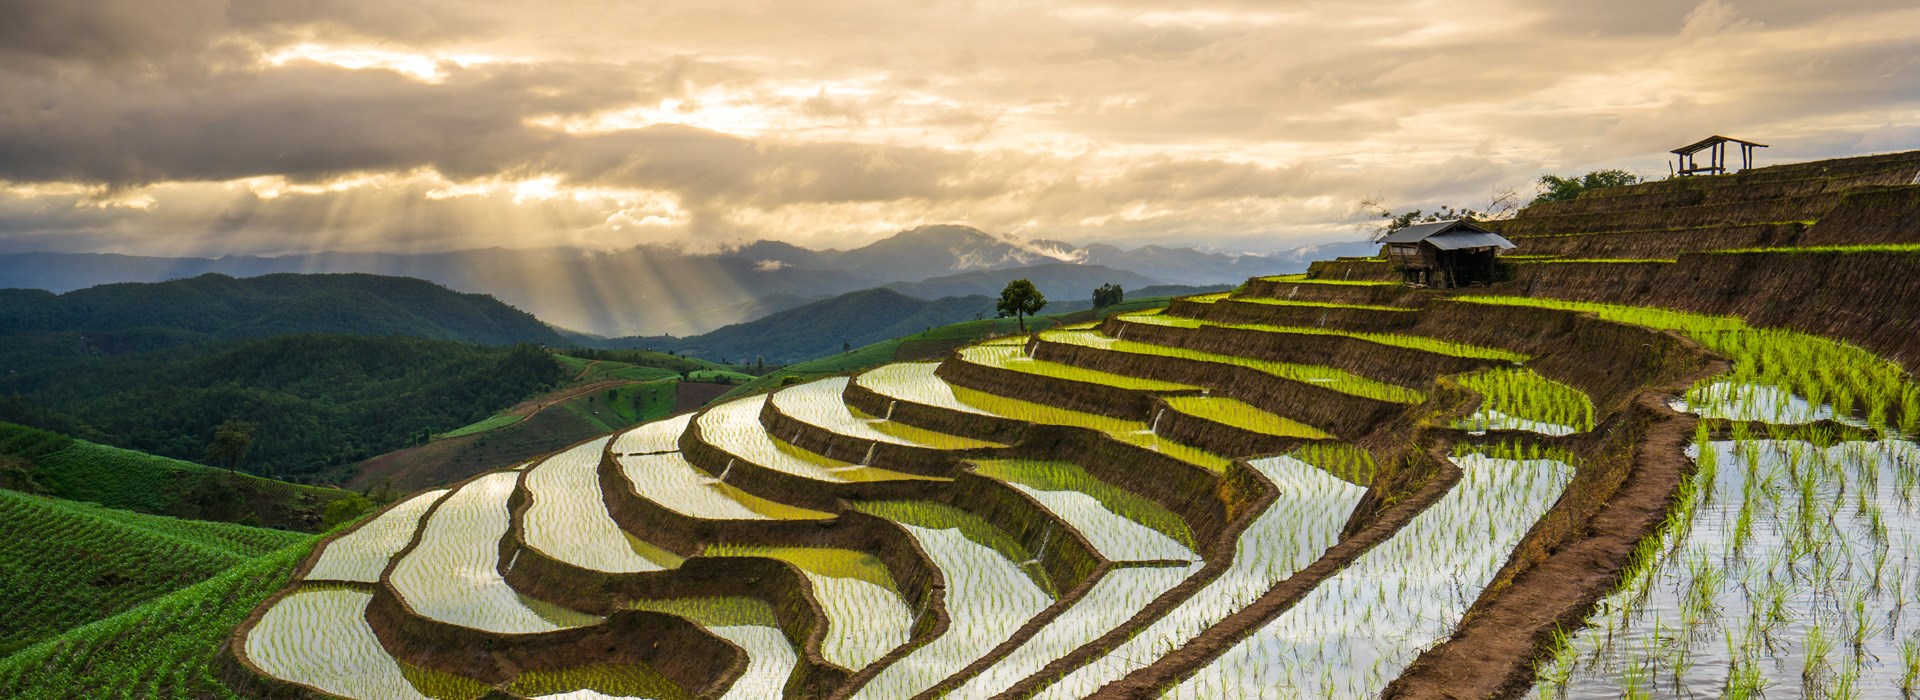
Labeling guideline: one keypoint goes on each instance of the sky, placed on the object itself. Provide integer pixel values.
(207, 127)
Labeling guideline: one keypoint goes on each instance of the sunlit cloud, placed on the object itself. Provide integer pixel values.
(413, 125)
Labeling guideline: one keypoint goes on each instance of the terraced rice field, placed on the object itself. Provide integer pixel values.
(1121, 517)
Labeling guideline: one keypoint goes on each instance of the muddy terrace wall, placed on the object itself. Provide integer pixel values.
(1865, 299)
(1005, 431)
(787, 488)
(1799, 208)
(679, 650)
(1392, 364)
(1608, 361)
(1374, 294)
(910, 459)
(774, 582)
(1100, 399)
(1887, 166)
(1889, 215)
(1662, 243)
(1219, 438)
(1340, 414)
(1231, 311)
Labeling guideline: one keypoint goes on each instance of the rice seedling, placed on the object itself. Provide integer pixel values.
(1517, 398)
(1015, 359)
(668, 480)
(1097, 510)
(1226, 296)
(568, 519)
(734, 428)
(1400, 340)
(865, 614)
(819, 404)
(597, 681)
(1341, 459)
(1302, 278)
(1337, 380)
(1357, 630)
(1114, 599)
(988, 598)
(318, 636)
(1067, 476)
(1783, 551)
(451, 574)
(1304, 519)
(1132, 432)
(915, 382)
(1244, 416)
(749, 624)
(362, 554)
(1853, 381)
(658, 436)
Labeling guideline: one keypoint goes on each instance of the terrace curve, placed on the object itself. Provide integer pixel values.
(1167, 503)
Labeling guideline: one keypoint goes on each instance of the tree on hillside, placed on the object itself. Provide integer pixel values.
(231, 441)
(1106, 295)
(1554, 188)
(1020, 299)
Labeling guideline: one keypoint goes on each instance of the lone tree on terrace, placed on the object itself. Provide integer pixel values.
(1106, 295)
(1020, 299)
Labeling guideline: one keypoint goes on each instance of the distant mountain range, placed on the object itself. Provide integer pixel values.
(655, 291)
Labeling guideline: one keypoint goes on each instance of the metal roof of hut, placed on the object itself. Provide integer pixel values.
(1449, 235)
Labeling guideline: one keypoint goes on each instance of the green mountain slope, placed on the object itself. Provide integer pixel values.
(318, 401)
(166, 648)
(118, 318)
(823, 327)
(64, 564)
(63, 467)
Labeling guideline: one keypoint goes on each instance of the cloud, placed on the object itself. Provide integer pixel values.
(276, 125)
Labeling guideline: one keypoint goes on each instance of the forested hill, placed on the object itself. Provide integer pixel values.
(117, 318)
(823, 327)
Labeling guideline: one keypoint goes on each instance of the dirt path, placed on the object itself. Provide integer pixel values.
(1494, 650)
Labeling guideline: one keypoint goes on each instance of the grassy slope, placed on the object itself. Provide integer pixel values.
(107, 561)
(83, 471)
(166, 648)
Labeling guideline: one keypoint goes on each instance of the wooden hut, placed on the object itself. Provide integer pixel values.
(1716, 148)
(1445, 254)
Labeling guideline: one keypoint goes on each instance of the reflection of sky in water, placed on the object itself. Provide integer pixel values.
(1831, 543)
(1756, 402)
(1357, 630)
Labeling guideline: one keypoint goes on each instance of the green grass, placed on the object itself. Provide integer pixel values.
(165, 648)
(1216, 298)
(64, 564)
(1014, 359)
(1302, 278)
(837, 563)
(1244, 416)
(1524, 394)
(1047, 475)
(715, 611)
(939, 516)
(1335, 379)
(720, 376)
(1341, 459)
(1557, 261)
(1129, 431)
(609, 680)
(586, 371)
(1412, 342)
(1823, 370)
(483, 425)
(78, 470)
(1847, 249)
